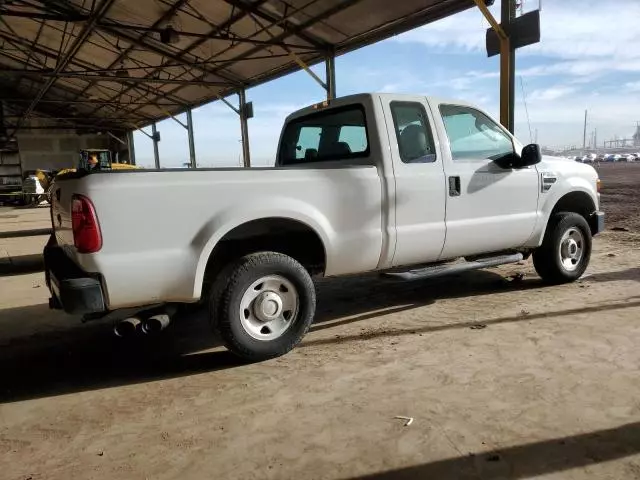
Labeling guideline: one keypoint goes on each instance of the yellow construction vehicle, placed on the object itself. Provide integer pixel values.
(37, 185)
(102, 160)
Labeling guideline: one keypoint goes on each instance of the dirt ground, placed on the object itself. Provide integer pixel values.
(504, 379)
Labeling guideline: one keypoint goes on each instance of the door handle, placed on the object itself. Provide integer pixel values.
(454, 186)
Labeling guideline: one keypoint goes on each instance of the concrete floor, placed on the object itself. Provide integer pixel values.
(504, 379)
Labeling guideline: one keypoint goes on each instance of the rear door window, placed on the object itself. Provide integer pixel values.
(415, 141)
(336, 134)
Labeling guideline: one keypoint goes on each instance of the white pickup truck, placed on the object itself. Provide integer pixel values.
(399, 184)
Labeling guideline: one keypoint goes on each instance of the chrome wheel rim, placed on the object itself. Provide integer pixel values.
(571, 249)
(269, 307)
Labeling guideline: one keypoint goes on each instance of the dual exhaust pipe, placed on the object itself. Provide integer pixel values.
(149, 326)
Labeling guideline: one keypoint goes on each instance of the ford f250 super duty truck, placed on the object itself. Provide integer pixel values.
(403, 185)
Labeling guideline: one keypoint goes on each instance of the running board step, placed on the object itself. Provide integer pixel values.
(442, 270)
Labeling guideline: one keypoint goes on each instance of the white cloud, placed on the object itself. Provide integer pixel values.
(633, 86)
(571, 29)
(552, 93)
(585, 46)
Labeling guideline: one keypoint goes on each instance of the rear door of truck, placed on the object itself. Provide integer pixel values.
(420, 197)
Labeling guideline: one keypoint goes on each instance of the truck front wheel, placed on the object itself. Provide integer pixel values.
(267, 306)
(565, 252)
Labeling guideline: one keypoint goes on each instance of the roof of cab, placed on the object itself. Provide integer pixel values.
(361, 97)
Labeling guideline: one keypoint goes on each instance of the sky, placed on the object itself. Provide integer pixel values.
(588, 59)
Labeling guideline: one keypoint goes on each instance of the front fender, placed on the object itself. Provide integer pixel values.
(549, 200)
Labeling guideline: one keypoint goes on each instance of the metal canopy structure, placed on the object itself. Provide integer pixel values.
(117, 65)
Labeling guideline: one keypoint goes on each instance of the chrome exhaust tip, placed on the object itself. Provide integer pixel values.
(156, 323)
(127, 327)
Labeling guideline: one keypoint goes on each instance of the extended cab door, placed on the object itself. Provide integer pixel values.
(420, 195)
(489, 208)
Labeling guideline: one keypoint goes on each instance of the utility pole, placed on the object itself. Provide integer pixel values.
(584, 141)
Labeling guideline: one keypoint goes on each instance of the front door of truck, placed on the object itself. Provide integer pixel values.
(489, 208)
(420, 194)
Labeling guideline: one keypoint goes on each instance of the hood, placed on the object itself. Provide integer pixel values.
(568, 168)
(564, 164)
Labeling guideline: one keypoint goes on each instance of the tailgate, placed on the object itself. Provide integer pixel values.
(61, 195)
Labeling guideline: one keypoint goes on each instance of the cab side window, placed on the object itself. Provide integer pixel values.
(415, 140)
(473, 135)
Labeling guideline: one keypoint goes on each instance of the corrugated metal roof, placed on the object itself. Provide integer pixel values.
(103, 63)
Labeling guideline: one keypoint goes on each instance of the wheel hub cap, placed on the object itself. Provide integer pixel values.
(572, 249)
(267, 306)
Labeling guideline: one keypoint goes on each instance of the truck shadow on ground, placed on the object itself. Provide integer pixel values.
(529, 460)
(40, 357)
(21, 265)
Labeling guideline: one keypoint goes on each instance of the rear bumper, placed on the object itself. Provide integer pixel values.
(597, 223)
(72, 289)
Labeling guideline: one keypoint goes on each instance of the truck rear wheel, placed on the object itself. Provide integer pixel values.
(267, 306)
(565, 252)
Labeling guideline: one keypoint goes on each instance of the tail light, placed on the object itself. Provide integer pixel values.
(86, 230)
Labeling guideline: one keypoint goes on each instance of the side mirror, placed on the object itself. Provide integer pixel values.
(531, 155)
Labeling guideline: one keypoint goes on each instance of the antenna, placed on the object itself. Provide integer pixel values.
(584, 141)
(526, 109)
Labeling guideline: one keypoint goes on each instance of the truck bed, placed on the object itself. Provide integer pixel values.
(160, 226)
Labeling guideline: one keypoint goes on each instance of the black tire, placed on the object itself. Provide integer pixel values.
(547, 259)
(217, 290)
(231, 327)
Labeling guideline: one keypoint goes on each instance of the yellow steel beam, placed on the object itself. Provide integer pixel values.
(505, 60)
(305, 67)
(296, 58)
(491, 19)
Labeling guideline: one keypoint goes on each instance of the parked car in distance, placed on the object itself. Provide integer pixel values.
(579, 159)
(408, 186)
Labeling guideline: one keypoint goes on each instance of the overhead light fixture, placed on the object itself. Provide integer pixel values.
(169, 35)
(122, 72)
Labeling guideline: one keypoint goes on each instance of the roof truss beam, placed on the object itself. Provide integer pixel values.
(63, 62)
(294, 31)
(226, 25)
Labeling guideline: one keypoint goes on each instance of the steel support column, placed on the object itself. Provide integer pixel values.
(330, 64)
(132, 149)
(192, 145)
(156, 152)
(508, 68)
(244, 129)
(507, 77)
